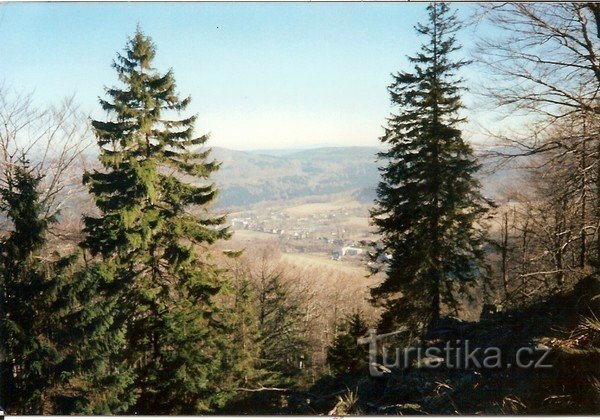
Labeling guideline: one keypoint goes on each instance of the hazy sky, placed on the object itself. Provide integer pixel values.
(261, 75)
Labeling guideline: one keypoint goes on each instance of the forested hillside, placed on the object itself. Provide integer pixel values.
(248, 178)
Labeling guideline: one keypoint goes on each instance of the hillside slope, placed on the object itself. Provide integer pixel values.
(248, 178)
(561, 334)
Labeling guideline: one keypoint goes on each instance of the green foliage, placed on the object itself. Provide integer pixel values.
(284, 350)
(345, 355)
(58, 334)
(31, 319)
(428, 200)
(347, 404)
(97, 382)
(148, 236)
(268, 347)
(244, 366)
(240, 347)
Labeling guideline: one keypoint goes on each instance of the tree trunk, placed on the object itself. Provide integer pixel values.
(583, 251)
(504, 251)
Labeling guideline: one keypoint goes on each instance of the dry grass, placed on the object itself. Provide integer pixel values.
(347, 404)
(321, 261)
(308, 209)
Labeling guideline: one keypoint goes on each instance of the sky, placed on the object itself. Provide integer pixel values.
(261, 75)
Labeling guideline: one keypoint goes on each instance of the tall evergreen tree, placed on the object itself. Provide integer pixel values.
(245, 366)
(151, 226)
(428, 200)
(241, 351)
(283, 345)
(57, 336)
(32, 354)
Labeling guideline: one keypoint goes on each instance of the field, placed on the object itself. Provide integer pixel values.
(308, 209)
(321, 261)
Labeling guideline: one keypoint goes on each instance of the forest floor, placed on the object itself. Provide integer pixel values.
(562, 327)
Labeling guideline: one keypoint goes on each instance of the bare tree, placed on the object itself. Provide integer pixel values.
(546, 59)
(52, 139)
(545, 246)
(543, 65)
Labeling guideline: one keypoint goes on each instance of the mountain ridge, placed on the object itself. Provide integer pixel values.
(247, 178)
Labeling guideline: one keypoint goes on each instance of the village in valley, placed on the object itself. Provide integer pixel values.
(337, 231)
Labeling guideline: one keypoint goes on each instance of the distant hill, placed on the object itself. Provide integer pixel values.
(248, 178)
(277, 175)
(289, 151)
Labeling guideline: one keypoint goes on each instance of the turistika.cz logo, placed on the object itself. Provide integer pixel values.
(455, 354)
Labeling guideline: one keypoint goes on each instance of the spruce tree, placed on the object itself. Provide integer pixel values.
(345, 355)
(283, 346)
(152, 234)
(241, 351)
(244, 357)
(428, 200)
(267, 346)
(31, 320)
(57, 333)
(96, 381)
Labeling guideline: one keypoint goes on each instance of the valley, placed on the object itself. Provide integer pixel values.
(334, 234)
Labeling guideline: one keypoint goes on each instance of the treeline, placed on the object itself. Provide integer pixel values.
(136, 311)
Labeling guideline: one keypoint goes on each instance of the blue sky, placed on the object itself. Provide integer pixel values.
(261, 75)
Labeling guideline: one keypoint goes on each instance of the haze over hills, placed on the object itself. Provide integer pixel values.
(322, 174)
(247, 178)
(275, 175)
